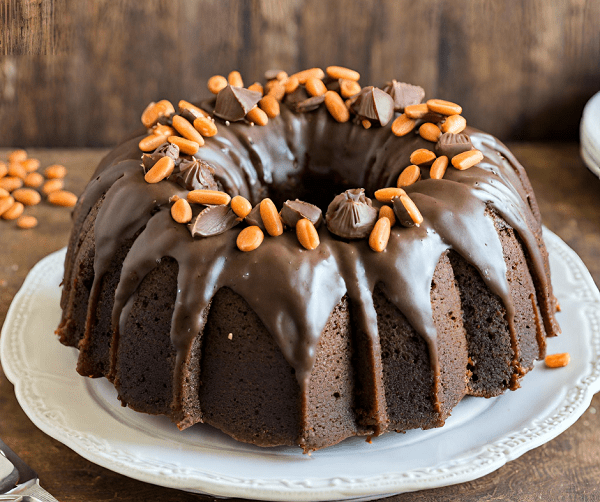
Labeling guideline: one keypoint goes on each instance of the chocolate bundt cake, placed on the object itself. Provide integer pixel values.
(379, 260)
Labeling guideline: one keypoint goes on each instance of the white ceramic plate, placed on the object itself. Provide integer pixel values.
(589, 133)
(481, 436)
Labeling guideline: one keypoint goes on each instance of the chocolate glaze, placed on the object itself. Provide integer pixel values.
(311, 157)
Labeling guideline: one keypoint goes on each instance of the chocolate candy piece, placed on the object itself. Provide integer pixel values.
(293, 98)
(213, 220)
(433, 117)
(254, 218)
(351, 215)
(402, 215)
(404, 94)
(295, 210)
(310, 104)
(195, 174)
(452, 144)
(166, 149)
(233, 103)
(190, 114)
(372, 103)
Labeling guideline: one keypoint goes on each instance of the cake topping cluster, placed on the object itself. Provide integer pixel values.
(174, 139)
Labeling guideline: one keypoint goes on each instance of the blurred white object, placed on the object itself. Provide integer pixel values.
(589, 132)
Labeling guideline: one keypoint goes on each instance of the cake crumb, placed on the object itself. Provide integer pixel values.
(230, 336)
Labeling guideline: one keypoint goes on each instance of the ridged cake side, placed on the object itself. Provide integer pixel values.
(337, 342)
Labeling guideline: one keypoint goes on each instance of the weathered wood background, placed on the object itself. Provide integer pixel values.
(79, 72)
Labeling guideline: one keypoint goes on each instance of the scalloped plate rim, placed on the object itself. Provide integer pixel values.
(376, 486)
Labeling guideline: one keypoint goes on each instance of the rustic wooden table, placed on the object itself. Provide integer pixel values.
(566, 468)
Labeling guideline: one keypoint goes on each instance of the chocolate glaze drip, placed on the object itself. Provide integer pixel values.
(293, 291)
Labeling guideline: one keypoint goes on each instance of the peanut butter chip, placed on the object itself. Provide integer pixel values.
(304, 75)
(412, 209)
(271, 218)
(10, 183)
(307, 234)
(62, 198)
(192, 109)
(444, 107)
(276, 89)
(241, 206)
(155, 111)
(270, 106)
(249, 238)
(205, 126)
(430, 132)
(27, 222)
(52, 186)
(17, 170)
(208, 197)
(13, 212)
(17, 156)
(315, 86)
(151, 143)
(291, 84)
(387, 212)
(5, 204)
(454, 124)
(181, 211)
(402, 125)
(235, 78)
(438, 168)
(388, 194)
(256, 86)
(163, 130)
(335, 105)
(416, 111)
(216, 83)
(380, 235)
(557, 360)
(187, 130)
(257, 116)
(410, 175)
(349, 88)
(34, 180)
(161, 170)
(341, 72)
(55, 171)
(185, 145)
(422, 156)
(467, 160)
(27, 196)
(30, 165)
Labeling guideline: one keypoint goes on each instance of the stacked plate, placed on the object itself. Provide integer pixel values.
(590, 134)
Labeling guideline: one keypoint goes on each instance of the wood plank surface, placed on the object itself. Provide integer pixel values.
(79, 72)
(566, 468)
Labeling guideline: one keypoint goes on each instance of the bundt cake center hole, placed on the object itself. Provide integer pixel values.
(317, 189)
